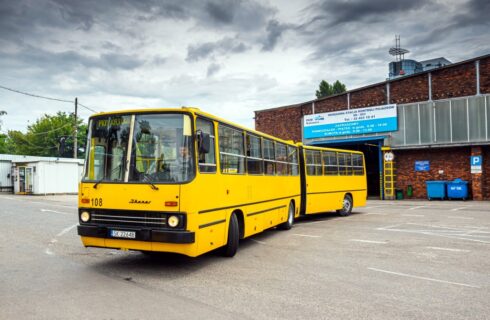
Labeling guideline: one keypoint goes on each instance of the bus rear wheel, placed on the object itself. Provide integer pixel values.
(231, 247)
(346, 206)
(289, 223)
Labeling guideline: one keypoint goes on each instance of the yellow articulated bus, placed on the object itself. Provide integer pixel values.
(183, 181)
(331, 179)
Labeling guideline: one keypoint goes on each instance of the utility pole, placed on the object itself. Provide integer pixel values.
(75, 131)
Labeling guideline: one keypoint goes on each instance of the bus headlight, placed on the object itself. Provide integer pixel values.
(173, 221)
(85, 216)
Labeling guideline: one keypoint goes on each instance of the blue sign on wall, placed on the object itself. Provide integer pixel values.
(422, 165)
(351, 122)
(476, 162)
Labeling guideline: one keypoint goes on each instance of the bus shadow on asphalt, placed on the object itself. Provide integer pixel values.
(171, 265)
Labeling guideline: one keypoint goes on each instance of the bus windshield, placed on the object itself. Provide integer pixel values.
(108, 145)
(161, 149)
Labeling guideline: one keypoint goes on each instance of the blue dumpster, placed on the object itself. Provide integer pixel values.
(457, 189)
(436, 189)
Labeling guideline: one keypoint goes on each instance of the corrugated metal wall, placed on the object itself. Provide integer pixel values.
(5, 166)
(62, 163)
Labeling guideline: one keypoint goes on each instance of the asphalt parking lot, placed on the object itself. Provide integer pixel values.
(388, 260)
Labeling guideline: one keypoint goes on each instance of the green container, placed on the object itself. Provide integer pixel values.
(409, 191)
(399, 194)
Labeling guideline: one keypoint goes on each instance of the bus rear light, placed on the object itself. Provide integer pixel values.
(85, 200)
(171, 203)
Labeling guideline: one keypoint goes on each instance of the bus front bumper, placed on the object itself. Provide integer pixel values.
(166, 236)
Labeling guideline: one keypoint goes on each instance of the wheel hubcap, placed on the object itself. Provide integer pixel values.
(346, 205)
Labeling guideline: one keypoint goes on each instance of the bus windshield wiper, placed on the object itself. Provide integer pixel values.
(110, 174)
(147, 179)
(98, 181)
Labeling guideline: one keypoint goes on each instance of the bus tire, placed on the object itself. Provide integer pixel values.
(289, 223)
(346, 206)
(231, 247)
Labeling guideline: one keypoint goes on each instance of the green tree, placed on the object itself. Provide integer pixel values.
(338, 87)
(325, 89)
(3, 137)
(49, 136)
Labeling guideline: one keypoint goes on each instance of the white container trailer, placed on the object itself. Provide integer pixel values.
(59, 176)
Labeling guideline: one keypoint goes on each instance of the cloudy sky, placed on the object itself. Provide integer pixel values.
(227, 57)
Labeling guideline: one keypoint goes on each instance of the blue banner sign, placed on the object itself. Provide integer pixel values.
(422, 165)
(351, 122)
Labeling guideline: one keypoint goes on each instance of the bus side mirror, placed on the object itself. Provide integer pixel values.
(203, 142)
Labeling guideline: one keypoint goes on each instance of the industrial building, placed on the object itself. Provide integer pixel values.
(39, 175)
(429, 125)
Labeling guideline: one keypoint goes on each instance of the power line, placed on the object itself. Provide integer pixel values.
(35, 95)
(43, 97)
(81, 105)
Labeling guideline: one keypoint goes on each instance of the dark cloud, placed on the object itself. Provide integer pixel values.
(220, 12)
(274, 32)
(67, 61)
(213, 68)
(222, 47)
(338, 12)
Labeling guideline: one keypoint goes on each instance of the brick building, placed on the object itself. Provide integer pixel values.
(441, 119)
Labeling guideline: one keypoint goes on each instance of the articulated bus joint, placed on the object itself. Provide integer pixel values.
(165, 236)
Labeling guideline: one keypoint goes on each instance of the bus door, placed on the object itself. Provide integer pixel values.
(303, 180)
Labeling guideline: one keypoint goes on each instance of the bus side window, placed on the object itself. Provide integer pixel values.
(207, 161)
(281, 159)
(269, 157)
(293, 161)
(348, 165)
(357, 164)
(231, 148)
(255, 164)
(342, 164)
(330, 163)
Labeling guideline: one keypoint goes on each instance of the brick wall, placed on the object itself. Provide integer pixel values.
(448, 82)
(458, 81)
(455, 162)
(372, 96)
(331, 104)
(410, 90)
(485, 75)
(284, 123)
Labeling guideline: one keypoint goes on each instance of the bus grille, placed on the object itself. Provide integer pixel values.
(154, 220)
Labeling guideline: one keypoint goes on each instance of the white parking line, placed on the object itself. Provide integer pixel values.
(424, 278)
(47, 210)
(463, 218)
(418, 207)
(305, 235)
(369, 241)
(446, 232)
(448, 249)
(413, 215)
(461, 208)
(48, 250)
(377, 213)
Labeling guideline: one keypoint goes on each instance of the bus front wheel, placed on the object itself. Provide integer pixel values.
(289, 223)
(231, 247)
(346, 206)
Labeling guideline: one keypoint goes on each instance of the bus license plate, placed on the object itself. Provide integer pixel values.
(123, 234)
